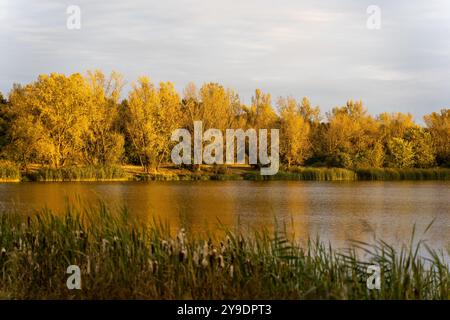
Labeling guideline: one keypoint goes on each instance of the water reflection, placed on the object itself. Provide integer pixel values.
(335, 211)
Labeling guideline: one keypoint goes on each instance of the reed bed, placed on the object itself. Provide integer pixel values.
(340, 174)
(403, 174)
(77, 173)
(121, 258)
(9, 171)
(310, 174)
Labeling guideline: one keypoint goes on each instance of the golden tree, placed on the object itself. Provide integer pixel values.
(439, 126)
(295, 146)
(56, 108)
(102, 142)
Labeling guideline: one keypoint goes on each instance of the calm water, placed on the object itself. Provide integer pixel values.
(335, 211)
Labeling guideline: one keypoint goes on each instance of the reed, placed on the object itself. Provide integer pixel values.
(9, 171)
(120, 258)
(403, 174)
(340, 174)
(78, 173)
(310, 174)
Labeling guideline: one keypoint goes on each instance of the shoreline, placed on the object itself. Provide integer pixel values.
(125, 173)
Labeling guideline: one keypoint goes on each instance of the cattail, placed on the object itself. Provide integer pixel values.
(88, 266)
(204, 262)
(205, 249)
(150, 265)
(181, 237)
(221, 261)
(181, 255)
(195, 257)
(212, 256)
(104, 244)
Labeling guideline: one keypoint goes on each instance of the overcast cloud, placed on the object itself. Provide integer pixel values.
(319, 49)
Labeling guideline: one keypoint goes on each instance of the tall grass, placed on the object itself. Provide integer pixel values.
(77, 173)
(9, 171)
(403, 174)
(120, 258)
(303, 173)
(340, 174)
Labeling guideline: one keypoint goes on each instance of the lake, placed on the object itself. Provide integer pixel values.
(335, 211)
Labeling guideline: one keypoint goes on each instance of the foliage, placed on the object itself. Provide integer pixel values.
(75, 120)
(401, 153)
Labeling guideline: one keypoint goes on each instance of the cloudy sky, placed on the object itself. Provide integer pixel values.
(319, 49)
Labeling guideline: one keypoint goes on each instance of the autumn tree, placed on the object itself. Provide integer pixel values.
(295, 145)
(55, 108)
(143, 100)
(422, 144)
(260, 115)
(351, 134)
(400, 153)
(168, 118)
(102, 142)
(439, 126)
(152, 115)
(5, 122)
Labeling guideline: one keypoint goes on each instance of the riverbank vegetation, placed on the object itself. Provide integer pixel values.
(72, 121)
(121, 258)
(9, 171)
(74, 173)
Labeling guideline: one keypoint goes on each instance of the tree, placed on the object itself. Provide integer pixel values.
(401, 153)
(295, 145)
(141, 125)
(422, 143)
(438, 125)
(351, 134)
(55, 107)
(261, 115)
(168, 118)
(5, 122)
(217, 108)
(102, 142)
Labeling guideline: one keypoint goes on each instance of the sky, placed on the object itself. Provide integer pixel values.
(319, 49)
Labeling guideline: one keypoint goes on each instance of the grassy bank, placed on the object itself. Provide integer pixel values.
(120, 258)
(9, 172)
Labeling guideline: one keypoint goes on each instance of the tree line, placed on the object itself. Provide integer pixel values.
(61, 120)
